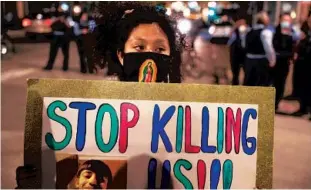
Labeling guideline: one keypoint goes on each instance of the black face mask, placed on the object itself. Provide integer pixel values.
(146, 67)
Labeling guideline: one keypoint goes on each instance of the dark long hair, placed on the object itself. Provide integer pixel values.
(115, 27)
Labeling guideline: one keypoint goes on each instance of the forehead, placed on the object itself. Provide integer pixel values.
(286, 17)
(90, 172)
(263, 14)
(86, 171)
(148, 32)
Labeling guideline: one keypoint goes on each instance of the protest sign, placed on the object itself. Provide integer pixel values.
(149, 135)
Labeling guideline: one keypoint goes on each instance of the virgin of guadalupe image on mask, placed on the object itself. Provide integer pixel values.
(148, 71)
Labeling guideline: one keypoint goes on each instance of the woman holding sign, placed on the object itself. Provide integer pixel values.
(140, 43)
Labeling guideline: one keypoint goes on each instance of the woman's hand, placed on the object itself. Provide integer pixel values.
(25, 176)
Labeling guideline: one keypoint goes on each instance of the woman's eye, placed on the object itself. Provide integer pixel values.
(160, 50)
(139, 48)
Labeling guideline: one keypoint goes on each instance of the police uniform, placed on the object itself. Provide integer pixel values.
(303, 63)
(89, 40)
(298, 72)
(259, 53)
(78, 38)
(4, 32)
(237, 55)
(283, 45)
(60, 40)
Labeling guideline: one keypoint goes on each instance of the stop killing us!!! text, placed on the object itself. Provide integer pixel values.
(231, 136)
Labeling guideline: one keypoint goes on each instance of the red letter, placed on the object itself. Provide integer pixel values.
(236, 130)
(188, 147)
(201, 174)
(125, 124)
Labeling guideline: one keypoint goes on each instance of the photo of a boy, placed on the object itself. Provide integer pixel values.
(92, 174)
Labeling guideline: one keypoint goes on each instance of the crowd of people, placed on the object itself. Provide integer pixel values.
(265, 54)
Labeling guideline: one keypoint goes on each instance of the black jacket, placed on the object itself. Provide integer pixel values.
(283, 43)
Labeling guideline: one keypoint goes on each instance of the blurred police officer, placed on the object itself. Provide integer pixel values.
(303, 65)
(237, 49)
(6, 23)
(260, 54)
(60, 28)
(297, 69)
(89, 40)
(283, 42)
(79, 29)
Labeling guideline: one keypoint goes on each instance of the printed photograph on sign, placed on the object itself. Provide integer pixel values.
(89, 172)
(187, 144)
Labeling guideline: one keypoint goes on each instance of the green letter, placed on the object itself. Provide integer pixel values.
(181, 177)
(49, 139)
(113, 131)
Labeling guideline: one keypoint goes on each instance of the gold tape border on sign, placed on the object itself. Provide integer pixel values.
(261, 96)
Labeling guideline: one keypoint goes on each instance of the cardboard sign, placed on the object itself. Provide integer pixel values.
(138, 135)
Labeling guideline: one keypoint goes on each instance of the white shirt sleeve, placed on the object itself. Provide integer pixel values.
(266, 38)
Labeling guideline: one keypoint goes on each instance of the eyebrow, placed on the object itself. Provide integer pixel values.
(157, 41)
(138, 39)
(160, 41)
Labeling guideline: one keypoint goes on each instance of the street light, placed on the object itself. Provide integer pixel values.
(184, 26)
(293, 14)
(4, 49)
(211, 12)
(168, 11)
(77, 9)
(64, 7)
(212, 4)
(193, 4)
(39, 16)
(212, 29)
(187, 12)
(178, 6)
(205, 11)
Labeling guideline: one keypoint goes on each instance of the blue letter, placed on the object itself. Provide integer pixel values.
(248, 150)
(215, 174)
(152, 170)
(81, 129)
(158, 128)
(205, 132)
(166, 175)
